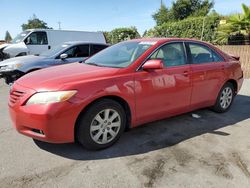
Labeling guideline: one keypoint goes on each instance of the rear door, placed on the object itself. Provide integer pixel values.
(207, 74)
(95, 48)
(37, 42)
(167, 91)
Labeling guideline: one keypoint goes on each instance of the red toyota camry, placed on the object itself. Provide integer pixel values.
(123, 86)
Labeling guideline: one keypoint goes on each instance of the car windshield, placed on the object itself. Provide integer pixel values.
(54, 51)
(120, 55)
(20, 37)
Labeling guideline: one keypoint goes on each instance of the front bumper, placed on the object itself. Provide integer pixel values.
(54, 123)
(240, 83)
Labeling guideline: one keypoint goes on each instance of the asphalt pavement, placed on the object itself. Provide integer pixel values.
(183, 151)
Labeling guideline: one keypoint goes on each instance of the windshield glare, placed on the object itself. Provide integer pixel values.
(120, 55)
(54, 51)
(20, 37)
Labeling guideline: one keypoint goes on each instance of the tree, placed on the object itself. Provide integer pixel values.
(163, 15)
(236, 25)
(35, 23)
(182, 9)
(241, 21)
(8, 37)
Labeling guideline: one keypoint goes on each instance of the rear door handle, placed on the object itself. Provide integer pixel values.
(185, 73)
(49, 47)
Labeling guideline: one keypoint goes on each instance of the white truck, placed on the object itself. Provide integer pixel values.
(36, 41)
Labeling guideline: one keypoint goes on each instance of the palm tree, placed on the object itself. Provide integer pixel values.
(246, 11)
(237, 24)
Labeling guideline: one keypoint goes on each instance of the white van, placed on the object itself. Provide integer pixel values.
(36, 41)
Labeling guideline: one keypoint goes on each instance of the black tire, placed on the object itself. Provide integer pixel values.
(83, 133)
(21, 54)
(8, 80)
(1, 56)
(218, 107)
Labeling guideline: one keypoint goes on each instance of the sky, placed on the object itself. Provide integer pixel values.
(91, 15)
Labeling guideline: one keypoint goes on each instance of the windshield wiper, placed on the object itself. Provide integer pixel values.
(94, 64)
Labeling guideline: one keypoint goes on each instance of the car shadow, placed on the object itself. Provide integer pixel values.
(159, 134)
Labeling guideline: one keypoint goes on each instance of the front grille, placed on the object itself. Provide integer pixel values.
(15, 96)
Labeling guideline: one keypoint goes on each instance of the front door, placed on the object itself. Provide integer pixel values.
(75, 54)
(164, 92)
(37, 42)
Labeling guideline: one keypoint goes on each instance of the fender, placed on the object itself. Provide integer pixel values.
(14, 49)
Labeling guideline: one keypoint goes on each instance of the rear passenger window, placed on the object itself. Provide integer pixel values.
(82, 51)
(172, 54)
(217, 57)
(97, 48)
(202, 54)
(78, 51)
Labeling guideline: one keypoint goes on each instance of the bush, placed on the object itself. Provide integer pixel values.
(121, 34)
(188, 28)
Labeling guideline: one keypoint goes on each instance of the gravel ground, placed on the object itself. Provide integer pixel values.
(212, 151)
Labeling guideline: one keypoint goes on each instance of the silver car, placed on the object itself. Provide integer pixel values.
(68, 52)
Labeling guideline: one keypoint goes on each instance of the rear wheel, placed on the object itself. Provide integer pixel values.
(225, 98)
(101, 125)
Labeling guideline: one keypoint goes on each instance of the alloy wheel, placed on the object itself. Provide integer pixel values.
(226, 97)
(105, 126)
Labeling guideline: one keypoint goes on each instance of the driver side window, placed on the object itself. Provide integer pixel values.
(37, 38)
(71, 52)
(171, 54)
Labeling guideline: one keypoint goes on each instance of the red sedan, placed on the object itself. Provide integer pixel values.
(123, 86)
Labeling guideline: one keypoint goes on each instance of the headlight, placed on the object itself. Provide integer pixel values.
(11, 67)
(51, 97)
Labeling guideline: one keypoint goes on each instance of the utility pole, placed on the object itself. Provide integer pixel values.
(203, 28)
(59, 25)
(161, 3)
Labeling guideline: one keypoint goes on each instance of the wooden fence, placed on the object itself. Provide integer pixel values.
(240, 50)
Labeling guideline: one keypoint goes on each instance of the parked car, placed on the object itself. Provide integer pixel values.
(68, 52)
(123, 86)
(36, 41)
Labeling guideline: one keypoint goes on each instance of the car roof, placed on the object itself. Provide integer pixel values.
(83, 42)
(162, 40)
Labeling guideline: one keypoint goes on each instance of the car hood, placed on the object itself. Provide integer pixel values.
(54, 78)
(22, 60)
(16, 48)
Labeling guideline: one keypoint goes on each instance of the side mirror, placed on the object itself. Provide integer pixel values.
(63, 56)
(153, 64)
(27, 40)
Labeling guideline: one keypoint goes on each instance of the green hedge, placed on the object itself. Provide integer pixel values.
(188, 28)
(121, 34)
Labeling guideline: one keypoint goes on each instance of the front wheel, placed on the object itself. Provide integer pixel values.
(101, 125)
(225, 98)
